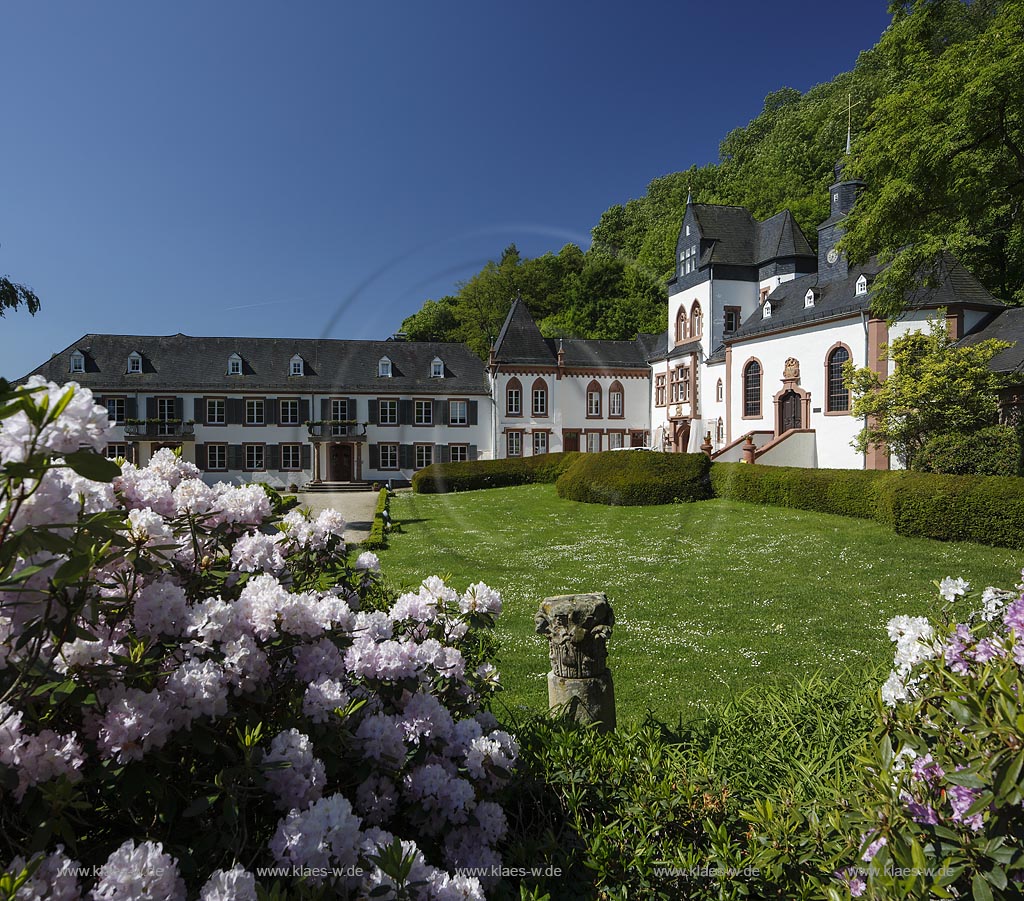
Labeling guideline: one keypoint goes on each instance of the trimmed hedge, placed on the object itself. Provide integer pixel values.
(377, 539)
(994, 451)
(636, 478)
(440, 478)
(984, 509)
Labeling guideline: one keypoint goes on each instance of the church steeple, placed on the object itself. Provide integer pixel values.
(843, 192)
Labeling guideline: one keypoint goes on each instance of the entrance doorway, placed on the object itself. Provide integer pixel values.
(571, 441)
(790, 412)
(682, 437)
(339, 463)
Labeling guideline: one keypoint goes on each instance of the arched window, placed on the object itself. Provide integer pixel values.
(594, 400)
(616, 401)
(514, 398)
(720, 432)
(838, 400)
(681, 325)
(696, 320)
(719, 391)
(752, 389)
(540, 399)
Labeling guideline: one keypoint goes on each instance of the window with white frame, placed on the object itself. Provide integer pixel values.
(216, 456)
(424, 455)
(254, 412)
(688, 260)
(384, 368)
(659, 390)
(215, 413)
(615, 405)
(134, 363)
(767, 310)
(255, 457)
(862, 285)
(437, 368)
(116, 409)
(339, 414)
(540, 399)
(594, 401)
(593, 442)
(732, 319)
(514, 444)
(291, 456)
(719, 391)
(423, 412)
(77, 362)
(809, 298)
(297, 366)
(388, 412)
(165, 413)
(614, 440)
(540, 443)
(389, 456)
(234, 365)
(289, 411)
(514, 400)
(458, 453)
(117, 450)
(458, 412)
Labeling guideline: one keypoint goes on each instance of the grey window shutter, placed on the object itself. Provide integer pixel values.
(444, 455)
(131, 409)
(99, 399)
(236, 457)
(353, 410)
(405, 411)
(374, 456)
(325, 408)
(234, 410)
(374, 416)
(270, 410)
(274, 456)
(303, 410)
(406, 456)
(440, 417)
(202, 459)
(472, 412)
(306, 457)
(472, 452)
(179, 408)
(150, 408)
(199, 409)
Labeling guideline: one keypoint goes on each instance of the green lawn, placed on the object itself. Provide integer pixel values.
(710, 598)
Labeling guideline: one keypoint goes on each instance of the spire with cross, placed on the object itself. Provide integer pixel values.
(849, 119)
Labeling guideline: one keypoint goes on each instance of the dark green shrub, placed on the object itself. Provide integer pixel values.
(636, 478)
(985, 509)
(377, 539)
(994, 451)
(441, 478)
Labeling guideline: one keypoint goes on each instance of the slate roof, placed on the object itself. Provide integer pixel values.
(839, 298)
(1007, 326)
(740, 240)
(183, 362)
(521, 343)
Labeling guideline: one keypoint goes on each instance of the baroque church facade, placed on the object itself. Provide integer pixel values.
(749, 367)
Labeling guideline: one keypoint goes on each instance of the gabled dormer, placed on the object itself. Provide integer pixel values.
(297, 366)
(862, 286)
(134, 362)
(437, 368)
(234, 365)
(809, 298)
(384, 368)
(766, 310)
(77, 361)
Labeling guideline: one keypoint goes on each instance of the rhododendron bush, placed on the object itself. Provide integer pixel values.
(195, 685)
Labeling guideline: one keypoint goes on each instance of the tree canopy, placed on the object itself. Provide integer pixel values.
(13, 295)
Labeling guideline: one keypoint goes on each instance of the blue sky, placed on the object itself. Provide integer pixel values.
(321, 168)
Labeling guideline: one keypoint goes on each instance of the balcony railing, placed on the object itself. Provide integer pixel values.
(333, 429)
(169, 429)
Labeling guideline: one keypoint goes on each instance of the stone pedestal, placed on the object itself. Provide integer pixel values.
(578, 627)
(749, 449)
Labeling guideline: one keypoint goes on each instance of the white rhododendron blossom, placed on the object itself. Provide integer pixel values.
(214, 662)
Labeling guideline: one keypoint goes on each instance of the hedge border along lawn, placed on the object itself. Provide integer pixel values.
(636, 478)
(440, 478)
(377, 539)
(984, 509)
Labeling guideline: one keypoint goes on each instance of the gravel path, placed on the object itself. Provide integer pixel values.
(356, 506)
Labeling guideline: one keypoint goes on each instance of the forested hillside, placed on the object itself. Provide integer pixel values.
(939, 138)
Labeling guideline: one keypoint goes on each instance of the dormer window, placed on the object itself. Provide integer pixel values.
(688, 260)
(134, 362)
(296, 366)
(437, 368)
(384, 368)
(234, 365)
(809, 299)
(77, 361)
(862, 285)
(767, 309)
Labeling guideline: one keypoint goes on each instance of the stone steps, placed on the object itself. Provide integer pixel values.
(325, 487)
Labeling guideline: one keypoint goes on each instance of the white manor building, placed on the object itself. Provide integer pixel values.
(759, 327)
